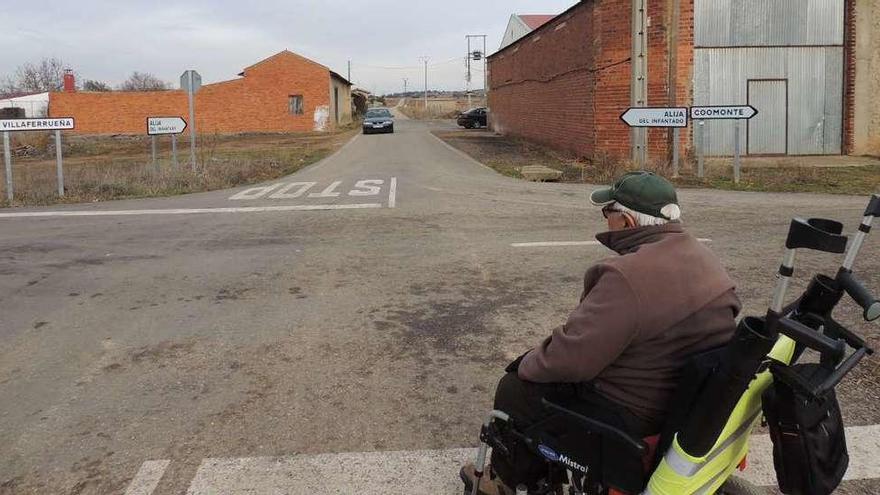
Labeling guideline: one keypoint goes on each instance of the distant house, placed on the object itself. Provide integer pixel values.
(521, 25)
(283, 93)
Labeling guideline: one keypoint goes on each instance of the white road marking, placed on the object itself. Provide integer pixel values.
(329, 192)
(367, 188)
(147, 478)
(254, 192)
(284, 192)
(188, 211)
(392, 195)
(554, 244)
(566, 243)
(435, 472)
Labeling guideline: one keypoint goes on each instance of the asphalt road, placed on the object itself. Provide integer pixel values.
(369, 311)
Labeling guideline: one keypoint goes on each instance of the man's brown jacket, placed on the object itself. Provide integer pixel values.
(641, 315)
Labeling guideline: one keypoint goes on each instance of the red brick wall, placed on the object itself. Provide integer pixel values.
(582, 72)
(258, 102)
(541, 88)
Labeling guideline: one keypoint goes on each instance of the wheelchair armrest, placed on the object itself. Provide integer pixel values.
(605, 430)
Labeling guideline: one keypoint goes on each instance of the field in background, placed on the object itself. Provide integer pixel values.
(438, 108)
(99, 168)
(508, 155)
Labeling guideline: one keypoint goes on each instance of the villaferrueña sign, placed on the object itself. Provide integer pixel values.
(18, 125)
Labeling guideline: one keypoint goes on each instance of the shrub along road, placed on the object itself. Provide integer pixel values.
(366, 303)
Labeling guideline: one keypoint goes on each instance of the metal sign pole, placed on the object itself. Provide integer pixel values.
(8, 158)
(192, 122)
(675, 152)
(701, 152)
(153, 147)
(174, 150)
(736, 164)
(59, 165)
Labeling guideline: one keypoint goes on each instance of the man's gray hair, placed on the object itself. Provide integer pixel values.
(644, 220)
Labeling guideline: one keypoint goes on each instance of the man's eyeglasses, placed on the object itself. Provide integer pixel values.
(607, 210)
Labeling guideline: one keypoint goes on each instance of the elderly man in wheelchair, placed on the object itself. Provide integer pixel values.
(651, 387)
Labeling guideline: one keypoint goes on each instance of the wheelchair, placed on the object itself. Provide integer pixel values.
(718, 403)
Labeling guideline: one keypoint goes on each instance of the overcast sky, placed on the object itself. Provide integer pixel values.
(108, 39)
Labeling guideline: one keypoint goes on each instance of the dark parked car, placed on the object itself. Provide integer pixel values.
(378, 120)
(475, 117)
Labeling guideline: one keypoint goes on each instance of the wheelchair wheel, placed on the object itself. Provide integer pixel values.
(739, 486)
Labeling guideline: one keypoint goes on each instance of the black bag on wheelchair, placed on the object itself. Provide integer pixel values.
(809, 442)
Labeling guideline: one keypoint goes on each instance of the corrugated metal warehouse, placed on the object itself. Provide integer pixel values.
(783, 57)
(796, 61)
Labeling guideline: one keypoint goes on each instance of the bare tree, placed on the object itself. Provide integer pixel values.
(92, 85)
(47, 75)
(143, 81)
(8, 86)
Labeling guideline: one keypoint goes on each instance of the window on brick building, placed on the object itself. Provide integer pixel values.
(295, 105)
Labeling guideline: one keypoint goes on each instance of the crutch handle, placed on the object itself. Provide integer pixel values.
(860, 294)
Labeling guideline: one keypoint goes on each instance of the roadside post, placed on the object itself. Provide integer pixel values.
(669, 117)
(153, 149)
(701, 150)
(59, 165)
(191, 81)
(7, 155)
(736, 162)
(737, 113)
(30, 125)
(162, 126)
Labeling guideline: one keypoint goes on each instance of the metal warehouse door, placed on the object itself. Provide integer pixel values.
(767, 132)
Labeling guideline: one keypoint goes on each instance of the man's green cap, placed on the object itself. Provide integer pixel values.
(641, 191)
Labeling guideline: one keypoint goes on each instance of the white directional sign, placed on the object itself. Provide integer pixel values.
(655, 117)
(157, 126)
(17, 125)
(723, 112)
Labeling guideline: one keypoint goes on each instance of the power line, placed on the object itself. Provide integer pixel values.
(409, 67)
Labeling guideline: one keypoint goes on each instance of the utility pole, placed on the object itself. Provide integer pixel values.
(425, 60)
(349, 71)
(405, 80)
(468, 77)
(639, 78)
(477, 55)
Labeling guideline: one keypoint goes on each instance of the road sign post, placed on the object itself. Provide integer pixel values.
(736, 164)
(153, 149)
(7, 155)
(57, 124)
(675, 152)
(161, 126)
(701, 151)
(59, 163)
(191, 81)
(174, 150)
(737, 113)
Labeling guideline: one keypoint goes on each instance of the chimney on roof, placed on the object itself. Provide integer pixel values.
(69, 81)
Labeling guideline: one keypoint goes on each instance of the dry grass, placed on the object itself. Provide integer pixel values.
(105, 168)
(508, 155)
(438, 108)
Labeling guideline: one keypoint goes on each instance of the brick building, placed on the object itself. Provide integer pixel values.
(566, 83)
(283, 93)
